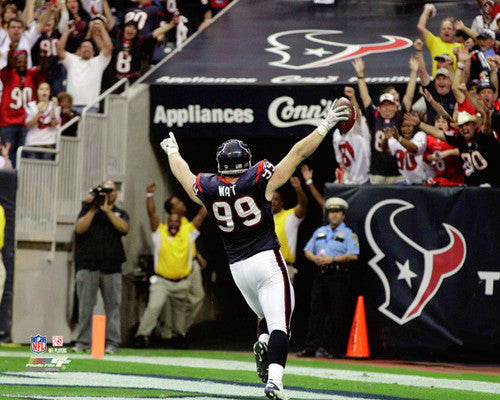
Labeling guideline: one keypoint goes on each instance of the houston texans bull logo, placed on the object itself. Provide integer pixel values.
(329, 52)
(396, 261)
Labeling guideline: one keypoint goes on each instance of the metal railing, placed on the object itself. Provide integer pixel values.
(52, 190)
(36, 202)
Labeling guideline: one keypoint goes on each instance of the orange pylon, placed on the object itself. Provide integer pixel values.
(98, 336)
(358, 340)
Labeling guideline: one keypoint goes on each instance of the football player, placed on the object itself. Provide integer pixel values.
(238, 198)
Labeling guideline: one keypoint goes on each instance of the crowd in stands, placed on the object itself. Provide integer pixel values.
(80, 48)
(447, 137)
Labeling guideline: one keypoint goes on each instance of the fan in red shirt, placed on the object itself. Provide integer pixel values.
(19, 86)
(444, 158)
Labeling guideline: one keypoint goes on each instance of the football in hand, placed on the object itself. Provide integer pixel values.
(345, 126)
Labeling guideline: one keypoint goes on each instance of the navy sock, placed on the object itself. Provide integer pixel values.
(263, 326)
(278, 348)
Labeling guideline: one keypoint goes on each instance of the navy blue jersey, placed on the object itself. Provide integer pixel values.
(481, 157)
(448, 102)
(241, 210)
(126, 58)
(147, 16)
(49, 44)
(381, 162)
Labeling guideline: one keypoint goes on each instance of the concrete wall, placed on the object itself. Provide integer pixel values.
(43, 295)
(44, 289)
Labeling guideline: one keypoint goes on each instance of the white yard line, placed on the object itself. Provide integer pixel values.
(338, 374)
(95, 379)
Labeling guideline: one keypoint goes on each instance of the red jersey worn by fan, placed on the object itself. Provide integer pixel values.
(449, 170)
(17, 92)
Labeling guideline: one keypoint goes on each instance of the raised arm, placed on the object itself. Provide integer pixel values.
(304, 148)
(351, 95)
(429, 129)
(44, 18)
(61, 44)
(494, 64)
(425, 79)
(302, 201)
(437, 106)
(460, 26)
(154, 221)
(64, 16)
(422, 22)
(200, 217)
(486, 128)
(179, 166)
(28, 14)
(307, 174)
(412, 84)
(359, 67)
(101, 37)
(463, 57)
(110, 20)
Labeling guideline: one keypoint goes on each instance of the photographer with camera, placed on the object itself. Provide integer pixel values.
(99, 254)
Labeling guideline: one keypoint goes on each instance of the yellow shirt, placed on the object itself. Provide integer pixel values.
(286, 225)
(173, 254)
(437, 47)
(185, 223)
(2, 227)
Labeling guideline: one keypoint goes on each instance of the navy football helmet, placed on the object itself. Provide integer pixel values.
(233, 157)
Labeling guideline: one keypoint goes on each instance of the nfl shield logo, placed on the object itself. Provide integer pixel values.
(38, 344)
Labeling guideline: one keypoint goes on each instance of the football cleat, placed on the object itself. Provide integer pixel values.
(261, 360)
(274, 391)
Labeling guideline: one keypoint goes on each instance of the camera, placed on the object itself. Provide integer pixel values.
(99, 194)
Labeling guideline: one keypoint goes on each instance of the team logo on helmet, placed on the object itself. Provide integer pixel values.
(325, 52)
(407, 267)
(233, 157)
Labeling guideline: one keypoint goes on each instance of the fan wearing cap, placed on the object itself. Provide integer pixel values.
(437, 45)
(332, 248)
(479, 146)
(439, 88)
(486, 48)
(486, 91)
(383, 167)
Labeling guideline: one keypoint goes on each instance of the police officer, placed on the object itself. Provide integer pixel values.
(332, 248)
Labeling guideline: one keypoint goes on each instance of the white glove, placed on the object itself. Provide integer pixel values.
(335, 115)
(170, 145)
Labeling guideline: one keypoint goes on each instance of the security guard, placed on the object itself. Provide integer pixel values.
(332, 248)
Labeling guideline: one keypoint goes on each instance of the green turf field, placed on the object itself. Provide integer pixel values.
(204, 375)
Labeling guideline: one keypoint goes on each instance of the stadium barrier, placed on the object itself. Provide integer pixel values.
(428, 268)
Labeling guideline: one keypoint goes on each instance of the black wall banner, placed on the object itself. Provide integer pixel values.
(271, 68)
(8, 187)
(283, 42)
(431, 268)
(233, 111)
